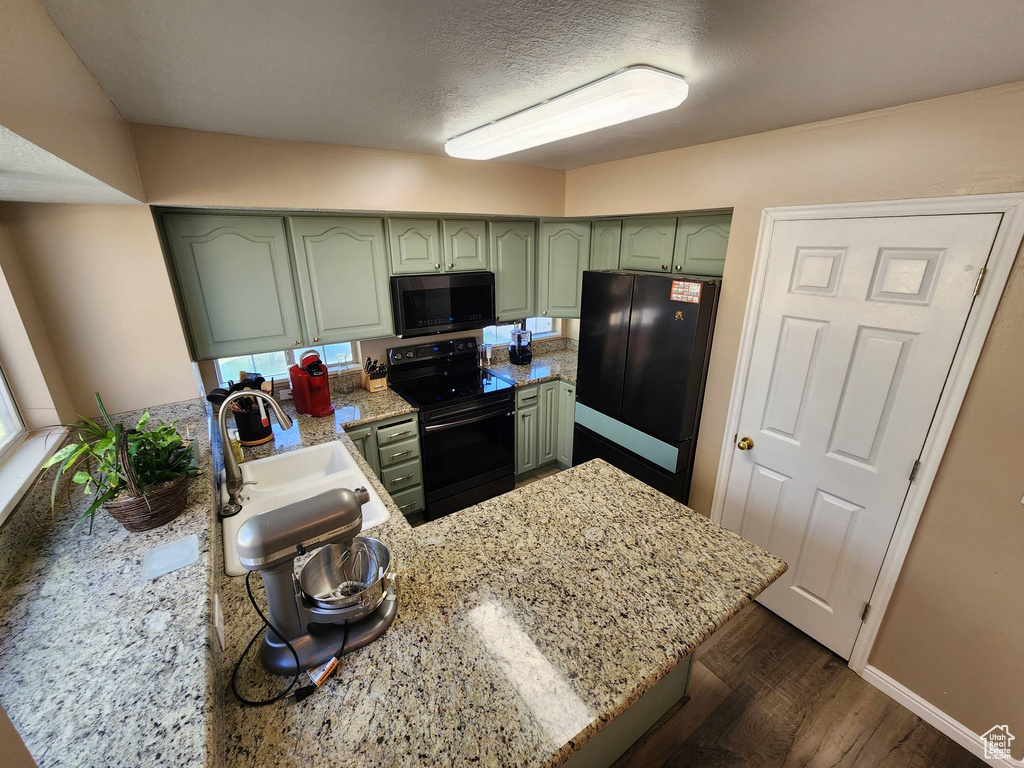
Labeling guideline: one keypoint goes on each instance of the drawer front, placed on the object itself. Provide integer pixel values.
(409, 501)
(397, 433)
(401, 476)
(527, 396)
(407, 450)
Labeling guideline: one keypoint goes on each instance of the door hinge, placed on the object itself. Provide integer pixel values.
(981, 276)
(913, 470)
(864, 613)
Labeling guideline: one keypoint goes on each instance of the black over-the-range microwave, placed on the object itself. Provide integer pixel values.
(429, 304)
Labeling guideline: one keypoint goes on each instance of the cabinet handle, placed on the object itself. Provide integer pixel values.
(316, 338)
(398, 434)
(451, 266)
(664, 266)
(679, 267)
(297, 343)
(402, 479)
(544, 312)
(437, 266)
(400, 453)
(406, 506)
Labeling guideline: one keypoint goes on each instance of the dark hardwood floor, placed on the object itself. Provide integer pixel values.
(764, 695)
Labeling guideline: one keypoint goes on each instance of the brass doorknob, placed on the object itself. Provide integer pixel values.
(745, 444)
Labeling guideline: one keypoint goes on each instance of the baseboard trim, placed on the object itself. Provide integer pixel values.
(932, 715)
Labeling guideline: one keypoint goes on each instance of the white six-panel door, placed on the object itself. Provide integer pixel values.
(859, 322)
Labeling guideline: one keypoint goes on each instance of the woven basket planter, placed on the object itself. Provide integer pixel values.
(159, 506)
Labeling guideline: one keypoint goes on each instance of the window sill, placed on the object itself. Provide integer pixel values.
(20, 468)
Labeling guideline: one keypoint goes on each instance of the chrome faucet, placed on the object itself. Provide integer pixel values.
(232, 473)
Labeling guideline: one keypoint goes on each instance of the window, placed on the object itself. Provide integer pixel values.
(11, 426)
(541, 327)
(275, 364)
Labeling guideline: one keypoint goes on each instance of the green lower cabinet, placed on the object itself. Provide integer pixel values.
(234, 278)
(544, 421)
(563, 254)
(647, 244)
(392, 449)
(527, 433)
(566, 422)
(604, 245)
(365, 440)
(701, 243)
(342, 266)
(547, 449)
(513, 262)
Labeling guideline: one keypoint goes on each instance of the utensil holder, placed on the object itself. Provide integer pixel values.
(372, 385)
(250, 428)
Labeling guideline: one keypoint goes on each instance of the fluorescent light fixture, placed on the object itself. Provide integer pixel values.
(626, 95)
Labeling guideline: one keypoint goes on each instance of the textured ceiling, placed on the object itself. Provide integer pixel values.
(31, 174)
(409, 74)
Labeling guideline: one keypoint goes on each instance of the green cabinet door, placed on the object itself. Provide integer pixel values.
(647, 244)
(604, 245)
(465, 245)
(547, 449)
(566, 422)
(343, 278)
(235, 280)
(415, 246)
(564, 253)
(513, 264)
(701, 242)
(365, 440)
(527, 429)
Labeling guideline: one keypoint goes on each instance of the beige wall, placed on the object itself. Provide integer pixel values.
(181, 167)
(25, 352)
(48, 97)
(966, 144)
(100, 283)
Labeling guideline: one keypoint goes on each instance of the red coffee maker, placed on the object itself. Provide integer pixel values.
(311, 391)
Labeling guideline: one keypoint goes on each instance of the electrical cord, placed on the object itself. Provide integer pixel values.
(300, 693)
(238, 664)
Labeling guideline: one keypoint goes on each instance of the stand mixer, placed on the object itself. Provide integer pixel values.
(344, 596)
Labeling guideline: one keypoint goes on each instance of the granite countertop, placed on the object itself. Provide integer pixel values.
(98, 666)
(546, 366)
(526, 623)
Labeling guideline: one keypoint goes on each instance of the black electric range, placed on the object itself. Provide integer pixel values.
(467, 423)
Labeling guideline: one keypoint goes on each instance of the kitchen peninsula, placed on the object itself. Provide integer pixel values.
(526, 624)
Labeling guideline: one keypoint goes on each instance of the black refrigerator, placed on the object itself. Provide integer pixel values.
(645, 342)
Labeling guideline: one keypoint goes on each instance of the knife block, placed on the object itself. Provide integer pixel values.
(372, 385)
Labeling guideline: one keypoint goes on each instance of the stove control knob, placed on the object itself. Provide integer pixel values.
(471, 344)
(459, 347)
(398, 355)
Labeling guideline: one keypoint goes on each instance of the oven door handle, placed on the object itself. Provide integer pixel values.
(503, 411)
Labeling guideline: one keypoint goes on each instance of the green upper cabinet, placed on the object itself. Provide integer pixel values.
(415, 246)
(512, 262)
(647, 244)
(235, 280)
(604, 245)
(343, 278)
(564, 253)
(701, 242)
(465, 245)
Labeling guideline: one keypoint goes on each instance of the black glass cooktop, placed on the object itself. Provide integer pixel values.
(445, 387)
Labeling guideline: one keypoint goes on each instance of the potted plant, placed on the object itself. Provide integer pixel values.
(139, 474)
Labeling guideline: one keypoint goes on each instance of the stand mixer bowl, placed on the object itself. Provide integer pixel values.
(341, 577)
